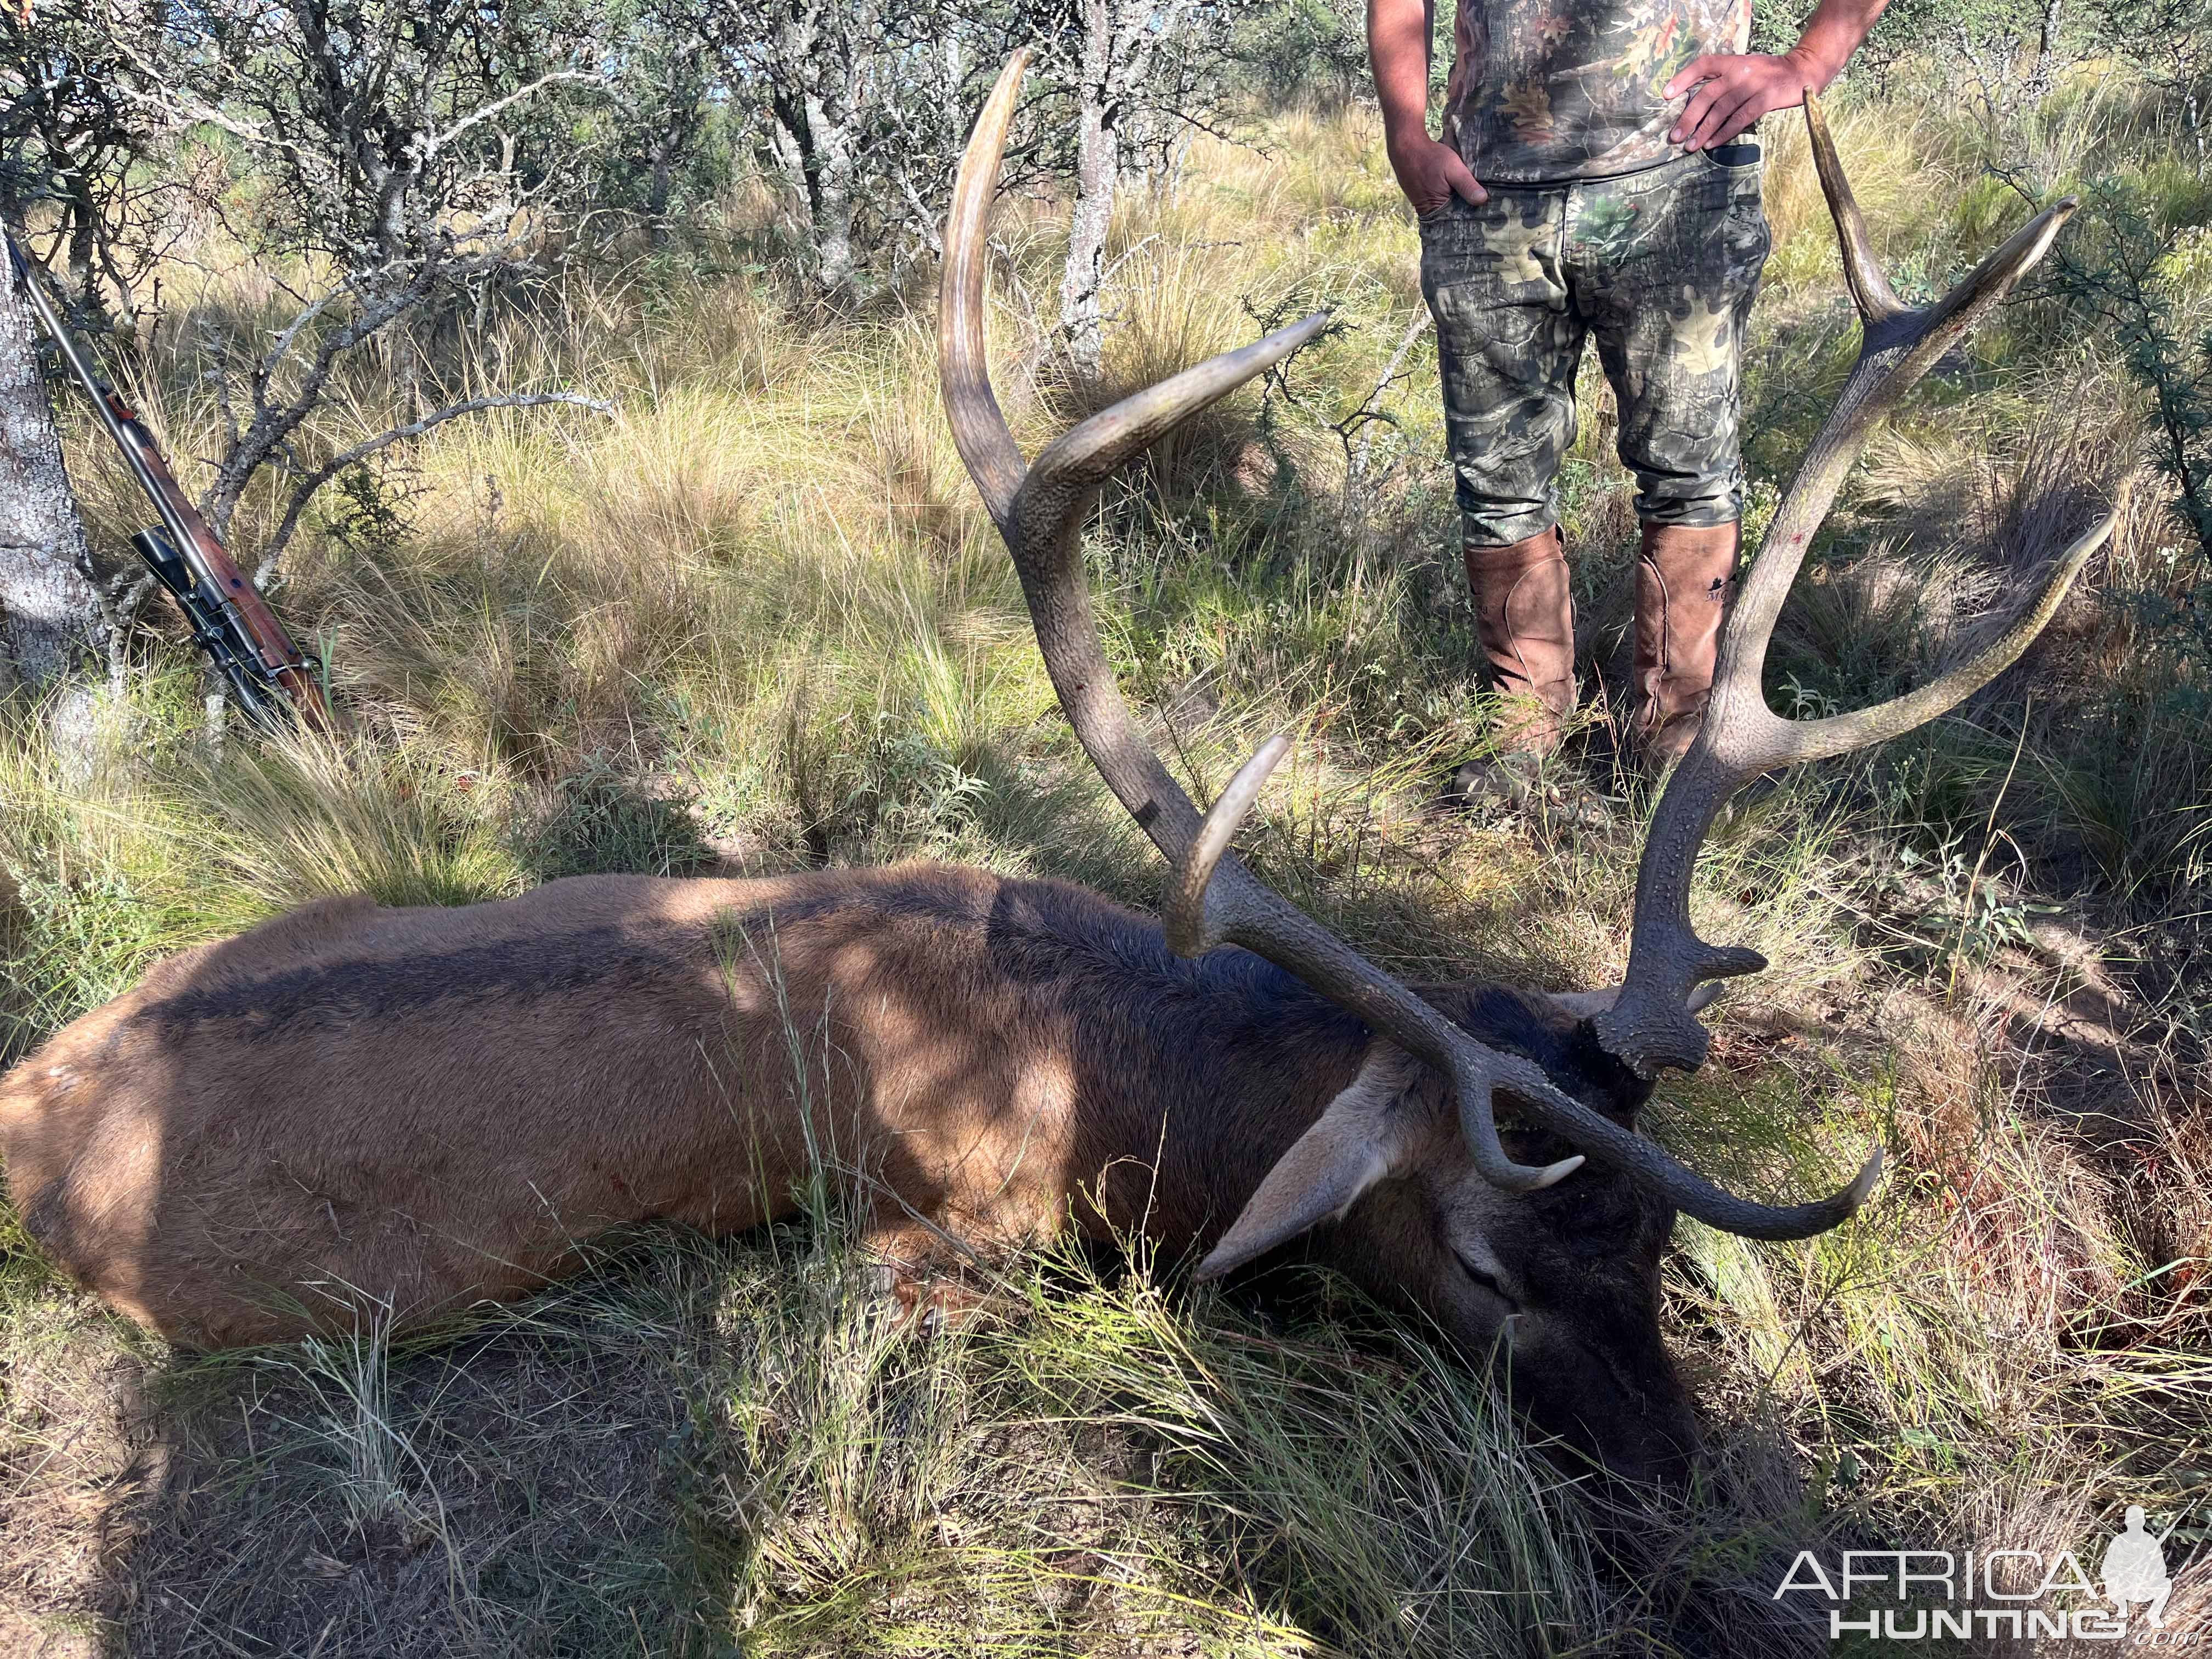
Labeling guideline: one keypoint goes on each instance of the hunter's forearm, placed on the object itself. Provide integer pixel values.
(1398, 33)
(1832, 33)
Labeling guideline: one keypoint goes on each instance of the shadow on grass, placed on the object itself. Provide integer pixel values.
(704, 1449)
(521, 1487)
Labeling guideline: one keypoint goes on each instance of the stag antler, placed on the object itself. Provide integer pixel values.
(1651, 1026)
(1213, 900)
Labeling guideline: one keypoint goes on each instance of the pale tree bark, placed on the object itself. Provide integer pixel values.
(1098, 171)
(2046, 48)
(818, 96)
(49, 616)
(1121, 47)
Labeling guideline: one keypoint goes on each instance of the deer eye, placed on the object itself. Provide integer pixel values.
(1488, 1280)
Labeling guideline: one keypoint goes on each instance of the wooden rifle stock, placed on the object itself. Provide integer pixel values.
(230, 620)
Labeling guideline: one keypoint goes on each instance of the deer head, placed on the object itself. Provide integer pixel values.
(1454, 1221)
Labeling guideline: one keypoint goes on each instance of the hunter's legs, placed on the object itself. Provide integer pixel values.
(1507, 344)
(1666, 265)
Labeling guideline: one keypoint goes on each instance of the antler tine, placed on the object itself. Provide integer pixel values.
(1190, 932)
(1651, 1025)
(964, 370)
(1212, 898)
(1840, 734)
(1870, 285)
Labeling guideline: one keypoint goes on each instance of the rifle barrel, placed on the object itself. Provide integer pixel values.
(231, 621)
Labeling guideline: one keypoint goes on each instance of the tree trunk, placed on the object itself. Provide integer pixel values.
(49, 612)
(837, 269)
(1097, 170)
(660, 158)
(814, 107)
(2046, 46)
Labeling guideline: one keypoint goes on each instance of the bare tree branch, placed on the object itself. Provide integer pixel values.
(272, 556)
(499, 106)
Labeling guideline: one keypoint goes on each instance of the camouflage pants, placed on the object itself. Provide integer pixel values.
(1662, 266)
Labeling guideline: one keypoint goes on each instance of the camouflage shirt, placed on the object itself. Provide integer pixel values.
(1546, 90)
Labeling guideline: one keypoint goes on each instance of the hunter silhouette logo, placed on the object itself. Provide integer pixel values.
(2027, 1596)
(2134, 1569)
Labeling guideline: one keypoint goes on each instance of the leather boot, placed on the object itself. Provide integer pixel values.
(1524, 619)
(1685, 582)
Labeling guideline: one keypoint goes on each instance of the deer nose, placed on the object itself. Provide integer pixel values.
(1625, 1410)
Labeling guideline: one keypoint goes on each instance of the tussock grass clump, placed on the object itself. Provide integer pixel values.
(749, 1447)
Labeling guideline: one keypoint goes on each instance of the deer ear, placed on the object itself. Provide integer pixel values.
(1367, 1132)
(1586, 1005)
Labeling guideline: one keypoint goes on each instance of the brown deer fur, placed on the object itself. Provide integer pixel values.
(354, 1113)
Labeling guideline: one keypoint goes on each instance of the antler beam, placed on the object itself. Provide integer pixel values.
(1212, 899)
(1651, 1025)
(1209, 904)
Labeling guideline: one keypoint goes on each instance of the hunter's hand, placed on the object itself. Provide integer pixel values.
(1735, 89)
(1431, 174)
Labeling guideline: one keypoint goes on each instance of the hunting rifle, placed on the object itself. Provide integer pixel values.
(230, 621)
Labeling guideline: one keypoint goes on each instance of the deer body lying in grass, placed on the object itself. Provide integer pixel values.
(353, 1108)
(355, 1113)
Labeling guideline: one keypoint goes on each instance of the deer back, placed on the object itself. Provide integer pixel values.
(353, 1112)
